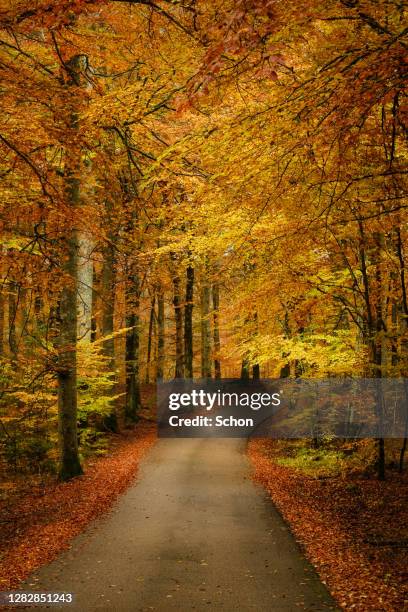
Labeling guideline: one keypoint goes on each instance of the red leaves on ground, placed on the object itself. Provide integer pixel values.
(355, 532)
(41, 524)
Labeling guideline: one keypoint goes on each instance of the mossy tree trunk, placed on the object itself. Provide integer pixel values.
(67, 312)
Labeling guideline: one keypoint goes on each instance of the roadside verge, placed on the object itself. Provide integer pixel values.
(41, 523)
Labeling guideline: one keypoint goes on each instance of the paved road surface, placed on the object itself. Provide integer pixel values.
(193, 533)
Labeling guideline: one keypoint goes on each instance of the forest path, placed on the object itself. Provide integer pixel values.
(193, 533)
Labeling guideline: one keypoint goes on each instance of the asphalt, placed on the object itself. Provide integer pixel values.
(193, 533)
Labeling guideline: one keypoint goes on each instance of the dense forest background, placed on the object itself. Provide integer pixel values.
(194, 188)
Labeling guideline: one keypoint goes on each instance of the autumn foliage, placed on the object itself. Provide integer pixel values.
(193, 188)
(352, 529)
(41, 522)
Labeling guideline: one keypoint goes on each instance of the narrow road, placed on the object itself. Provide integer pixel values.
(193, 533)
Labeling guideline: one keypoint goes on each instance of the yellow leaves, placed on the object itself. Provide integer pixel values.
(96, 343)
(319, 354)
(117, 106)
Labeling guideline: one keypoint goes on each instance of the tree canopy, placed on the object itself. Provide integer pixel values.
(195, 187)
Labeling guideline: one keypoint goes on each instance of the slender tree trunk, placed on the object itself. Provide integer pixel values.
(374, 328)
(401, 258)
(107, 291)
(160, 335)
(402, 452)
(178, 313)
(378, 353)
(216, 329)
(39, 313)
(133, 399)
(12, 319)
(188, 323)
(285, 369)
(405, 439)
(3, 302)
(256, 371)
(150, 337)
(2, 321)
(95, 303)
(244, 370)
(205, 330)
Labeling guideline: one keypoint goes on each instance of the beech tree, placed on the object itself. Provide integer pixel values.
(206, 185)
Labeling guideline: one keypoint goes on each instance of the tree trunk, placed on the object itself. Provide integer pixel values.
(95, 305)
(85, 288)
(378, 354)
(12, 318)
(160, 334)
(133, 399)
(188, 323)
(244, 370)
(205, 330)
(2, 321)
(216, 329)
(107, 291)
(66, 342)
(178, 313)
(67, 312)
(401, 258)
(67, 366)
(3, 302)
(285, 371)
(402, 452)
(150, 337)
(374, 325)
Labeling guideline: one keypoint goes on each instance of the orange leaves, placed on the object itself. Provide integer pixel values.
(41, 524)
(43, 13)
(346, 527)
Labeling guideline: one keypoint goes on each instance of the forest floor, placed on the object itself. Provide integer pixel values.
(353, 528)
(40, 520)
(193, 533)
